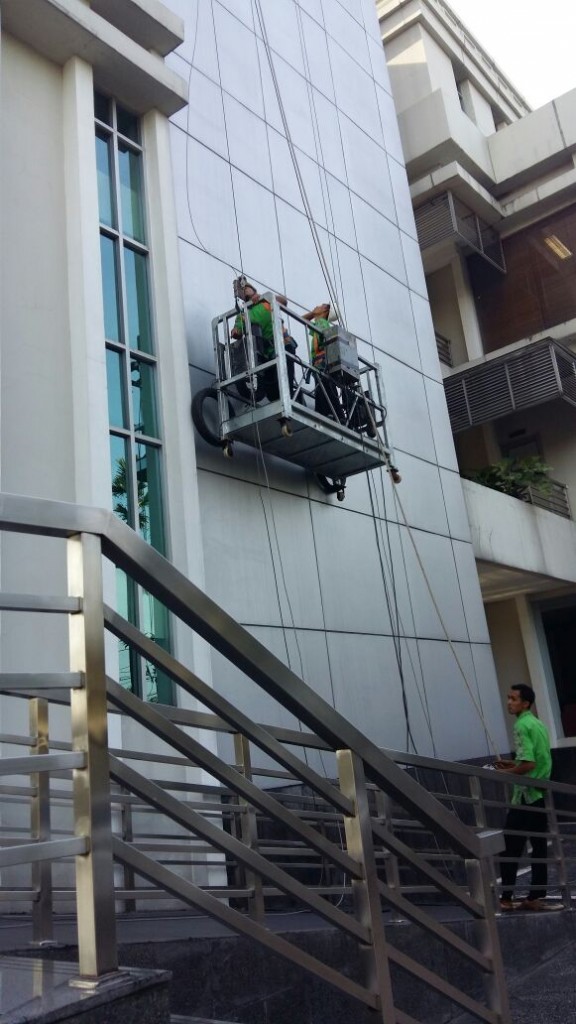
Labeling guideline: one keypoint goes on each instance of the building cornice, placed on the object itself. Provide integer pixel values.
(62, 29)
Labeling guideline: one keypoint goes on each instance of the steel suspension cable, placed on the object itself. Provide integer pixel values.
(305, 200)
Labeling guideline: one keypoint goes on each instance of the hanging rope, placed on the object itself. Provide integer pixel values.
(305, 200)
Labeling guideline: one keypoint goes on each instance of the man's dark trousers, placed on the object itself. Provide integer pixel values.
(532, 821)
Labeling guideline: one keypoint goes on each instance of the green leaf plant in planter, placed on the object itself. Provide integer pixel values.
(514, 476)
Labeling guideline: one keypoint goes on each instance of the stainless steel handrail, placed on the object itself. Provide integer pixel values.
(365, 843)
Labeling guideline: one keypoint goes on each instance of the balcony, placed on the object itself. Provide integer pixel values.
(447, 218)
(519, 546)
(535, 374)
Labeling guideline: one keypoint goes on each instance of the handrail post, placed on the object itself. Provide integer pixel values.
(249, 829)
(92, 815)
(127, 825)
(42, 908)
(486, 929)
(366, 891)
(384, 810)
(481, 820)
(558, 848)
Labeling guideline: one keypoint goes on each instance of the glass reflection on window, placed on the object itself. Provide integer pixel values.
(127, 658)
(102, 108)
(150, 514)
(105, 205)
(154, 618)
(121, 490)
(109, 288)
(116, 404)
(137, 300)
(144, 398)
(130, 167)
(127, 123)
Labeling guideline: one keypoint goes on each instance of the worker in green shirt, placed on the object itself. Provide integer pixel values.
(260, 315)
(327, 399)
(527, 815)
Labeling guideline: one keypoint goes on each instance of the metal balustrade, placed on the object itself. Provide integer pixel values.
(245, 832)
(555, 498)
(444, 349)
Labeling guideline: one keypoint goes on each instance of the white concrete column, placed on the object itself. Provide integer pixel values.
(181, 480)
(470, 325)
(540, 669)
(88, 355)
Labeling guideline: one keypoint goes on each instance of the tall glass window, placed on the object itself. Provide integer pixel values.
(135, 440)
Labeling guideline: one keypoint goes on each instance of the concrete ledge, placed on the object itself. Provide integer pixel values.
(61, 29)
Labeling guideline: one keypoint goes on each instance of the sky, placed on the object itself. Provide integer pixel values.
(533, 42)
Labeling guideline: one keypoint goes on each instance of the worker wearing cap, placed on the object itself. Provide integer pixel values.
(260, 315)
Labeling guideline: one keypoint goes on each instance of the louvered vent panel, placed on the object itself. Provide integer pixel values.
(536, 375)
(533, 378)
(456, 401)
(567, 371)
(489, 394)
(434, 221)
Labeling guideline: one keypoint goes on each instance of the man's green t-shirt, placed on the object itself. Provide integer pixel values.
(532, 744)
(260, 314)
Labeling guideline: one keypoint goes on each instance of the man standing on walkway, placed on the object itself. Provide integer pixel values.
(527, 815)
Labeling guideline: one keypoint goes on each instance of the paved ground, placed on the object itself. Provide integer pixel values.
(545, 994)
(548, 995)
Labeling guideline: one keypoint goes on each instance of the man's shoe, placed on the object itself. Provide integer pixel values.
(507, 905)
(540, 906)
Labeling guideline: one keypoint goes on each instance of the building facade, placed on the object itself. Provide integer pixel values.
(146, 163)
(493, 186)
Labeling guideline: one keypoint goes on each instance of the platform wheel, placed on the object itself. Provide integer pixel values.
(286, 429)
(227, 450)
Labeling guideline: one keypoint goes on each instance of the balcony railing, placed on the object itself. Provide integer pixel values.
(554, 500)
(444, 347)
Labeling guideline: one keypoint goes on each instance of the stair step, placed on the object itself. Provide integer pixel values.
(177, 1019)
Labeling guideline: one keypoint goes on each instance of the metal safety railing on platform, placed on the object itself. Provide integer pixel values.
(230, 866)
(329, 419)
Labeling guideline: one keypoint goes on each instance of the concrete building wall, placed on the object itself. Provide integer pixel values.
(512, 175)
(407, 67)
(508, 648)
(336, 590)
(318, 582)
(36, 381)
(477, 107)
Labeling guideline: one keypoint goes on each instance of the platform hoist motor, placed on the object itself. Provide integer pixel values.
(325, 414)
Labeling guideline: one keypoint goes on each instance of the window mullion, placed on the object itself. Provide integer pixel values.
(135, 313)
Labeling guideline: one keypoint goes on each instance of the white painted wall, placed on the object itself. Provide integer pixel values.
(477, 107)
(315, 592)
(512, 533)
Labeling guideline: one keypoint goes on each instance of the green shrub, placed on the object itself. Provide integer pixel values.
(513, 476)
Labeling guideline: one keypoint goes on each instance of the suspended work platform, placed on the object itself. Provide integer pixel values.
(328, 417)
